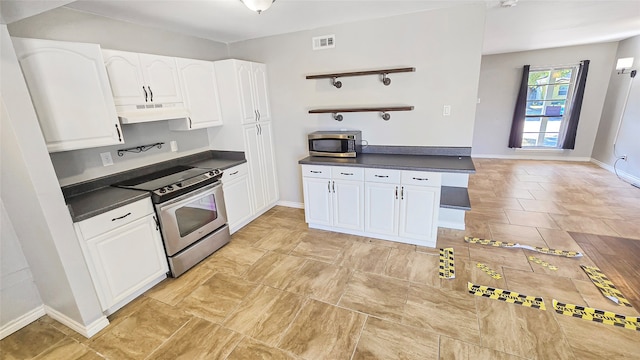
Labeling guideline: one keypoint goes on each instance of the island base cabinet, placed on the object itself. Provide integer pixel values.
(382, 207)
(348, 201)
(418, 215)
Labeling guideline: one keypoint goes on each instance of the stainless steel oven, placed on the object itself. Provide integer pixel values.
(191, 213)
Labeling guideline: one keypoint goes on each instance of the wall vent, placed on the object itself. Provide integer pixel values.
(323, 42)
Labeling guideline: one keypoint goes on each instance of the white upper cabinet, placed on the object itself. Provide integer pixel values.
(142, 79)
(200, 89)
(249, 81)
(70, 92)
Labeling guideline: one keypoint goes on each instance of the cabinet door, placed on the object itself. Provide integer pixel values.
(70, 92)
(317, 201)
(268, 162)
(244, 76)
(381, 208)
(418, 212)
(261, 99)
(237, 199)
(200, 90)
(125, 77)
(348, 204)
(252, 152)
(161, 75)
(126, 259)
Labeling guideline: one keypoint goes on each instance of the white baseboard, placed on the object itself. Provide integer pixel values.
(526, 156)
(24, 320)
(625, 175)
(86, 331)
(291, 204)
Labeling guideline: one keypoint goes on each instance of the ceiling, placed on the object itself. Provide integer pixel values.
(530, 25)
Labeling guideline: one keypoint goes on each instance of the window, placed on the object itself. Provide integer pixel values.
(547, 104)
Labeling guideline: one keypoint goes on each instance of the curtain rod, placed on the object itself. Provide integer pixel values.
(556, 66)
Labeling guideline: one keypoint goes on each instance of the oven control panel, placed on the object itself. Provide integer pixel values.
(182, 186)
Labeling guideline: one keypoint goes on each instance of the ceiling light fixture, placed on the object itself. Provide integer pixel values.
(258, 5)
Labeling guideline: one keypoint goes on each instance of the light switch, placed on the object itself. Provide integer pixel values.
(446, 110)
(107, 160)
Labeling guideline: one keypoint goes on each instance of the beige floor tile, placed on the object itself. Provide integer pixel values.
(389, 244)
(265, 313)
(592, 297)
(376, 295)
(494, 216)
(234, 259)
(324, 246)
(604, 341)
(275, 269)
(385, 340)
(198, 339)
(583, 224)
(320, 281)
(543, 206)
(279, 239)
(413, 266)
(30, 341)
(559, 239)
(252, 349)
(452, 349)
(541, 285)
(171, 291)
(508, 257)
(364, 257)
(69, 349)
(567, 267)
(217, 297)
(323, 331)
(496, 203)
(524, 235)
(626, 229)
(442, 311)
(480, 277)
(626, 212)
(476, 228)
(514, 193)
(596, 211)
(520, 330)
(448, 238)
(463, 269)
(529, 218)
(140, 333)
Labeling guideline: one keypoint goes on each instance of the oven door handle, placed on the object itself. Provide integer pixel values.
(190, 196)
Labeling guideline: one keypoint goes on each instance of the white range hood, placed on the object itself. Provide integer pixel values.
(147, 113)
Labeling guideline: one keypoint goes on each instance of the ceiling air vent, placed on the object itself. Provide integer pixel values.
(323, 42)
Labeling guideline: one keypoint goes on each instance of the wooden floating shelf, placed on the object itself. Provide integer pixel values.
(383, 72)
(383, 109)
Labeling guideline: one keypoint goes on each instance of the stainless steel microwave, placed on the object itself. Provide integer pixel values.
(335, 143)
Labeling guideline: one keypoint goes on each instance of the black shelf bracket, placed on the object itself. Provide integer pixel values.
(139, 149)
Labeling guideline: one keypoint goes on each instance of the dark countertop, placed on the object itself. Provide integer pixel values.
(96, 196)
(436, 163)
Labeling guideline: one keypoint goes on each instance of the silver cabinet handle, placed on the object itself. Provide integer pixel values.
(334, 187)
(121, 217)
(145, 94)
(381, 176)
(402, 193)
(315, 172)
(233, 173)
(190, 123)
(259, 116)
(119, 136)
(150, 93)
(255, 113)
(420, 179)
(329, 186)
(396, 193)
(348, 174)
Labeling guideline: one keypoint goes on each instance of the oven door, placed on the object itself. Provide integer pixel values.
(188, 218)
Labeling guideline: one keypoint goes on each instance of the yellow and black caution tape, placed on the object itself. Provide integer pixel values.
(543, 250)
(489, 271)
(506, 296)
(606, 287)
(605, 317)
(447, 268)
(543, 263)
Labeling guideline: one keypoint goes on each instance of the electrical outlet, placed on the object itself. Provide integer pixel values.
(446, 110)
(107, 160)
(174, 145)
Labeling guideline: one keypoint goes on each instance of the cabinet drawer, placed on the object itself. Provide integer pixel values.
(421, 178)
(115, 218)
(235, 172)
(316, 171)
(382, 176)
(347, 173)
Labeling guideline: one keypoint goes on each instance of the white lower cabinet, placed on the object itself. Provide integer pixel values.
(237, 196)
(395, 205)
(124, 252)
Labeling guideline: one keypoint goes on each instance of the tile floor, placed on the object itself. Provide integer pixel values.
(282, 291)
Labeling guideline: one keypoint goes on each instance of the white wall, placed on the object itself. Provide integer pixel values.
(443, 45)
(500, 77)
(71, 25)
(613, 106)
(18, 292)
(34, 202)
